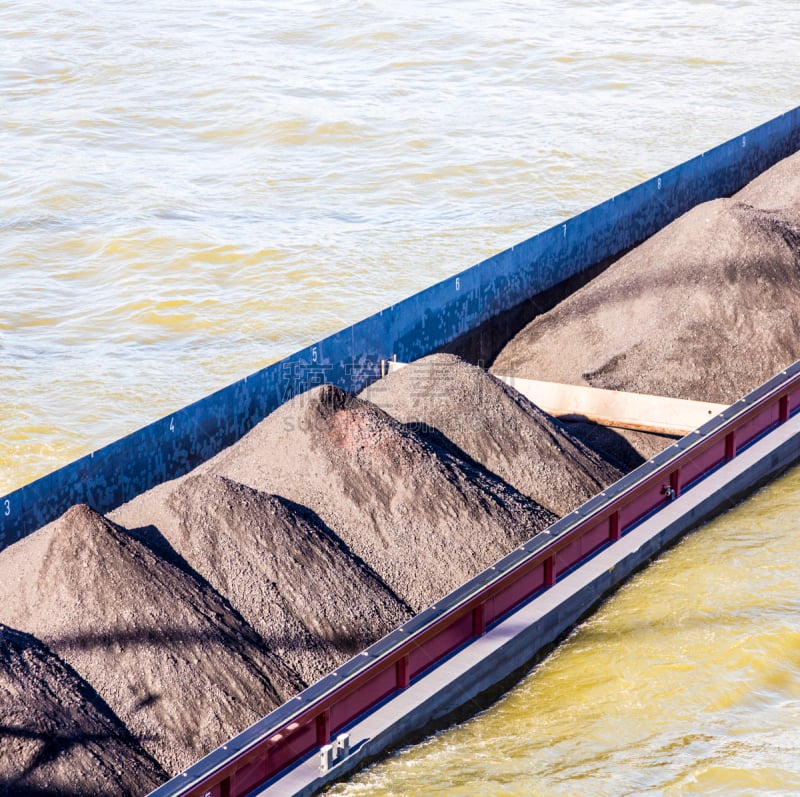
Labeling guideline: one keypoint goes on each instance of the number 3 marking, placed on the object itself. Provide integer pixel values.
(8, 507)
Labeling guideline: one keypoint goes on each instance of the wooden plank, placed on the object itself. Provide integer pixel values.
(616, 408)
(658, 414)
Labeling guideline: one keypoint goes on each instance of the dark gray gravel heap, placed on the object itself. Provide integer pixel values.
(626, 448)
(421, 518)
(706, 309)
(479, 416)
(311, 601)
(165, 651)
(57, 737)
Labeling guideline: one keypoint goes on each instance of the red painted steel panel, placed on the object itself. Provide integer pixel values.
(550, 570)
(323, 727)
(450, 638)
(292, 745)
(642, 502)
(479, 619)
(513, 594)
(705, 459)
(568, 556)
(595, 536)
(757, 424)
(248, 776)
(383, 683)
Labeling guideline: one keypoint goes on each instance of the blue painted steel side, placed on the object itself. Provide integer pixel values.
(410, 329)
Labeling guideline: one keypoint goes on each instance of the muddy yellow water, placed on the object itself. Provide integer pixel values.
(189, 191)
(686, 682)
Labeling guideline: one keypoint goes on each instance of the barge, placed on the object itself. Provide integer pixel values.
(492, 627)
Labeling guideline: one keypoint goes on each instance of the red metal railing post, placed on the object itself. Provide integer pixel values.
(730, 444)
(401, 670)
(550, 571)
(783, 409)
(479, 619)
(613, 526)
(324, 727)
(675, 482)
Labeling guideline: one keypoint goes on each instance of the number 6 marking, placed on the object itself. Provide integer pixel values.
(313, 354)
(172, 424)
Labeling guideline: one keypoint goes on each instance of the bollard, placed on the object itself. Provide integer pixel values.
(325, 758)
(342, 745)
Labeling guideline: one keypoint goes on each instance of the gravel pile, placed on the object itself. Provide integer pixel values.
(166, 652)
(625, 448)
(777, 189)
(472, 413)
(706, 309)
(57, 737)
(311, 601)
(421, 518)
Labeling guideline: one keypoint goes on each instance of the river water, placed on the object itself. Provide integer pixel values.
(190, 191)
(687, 681)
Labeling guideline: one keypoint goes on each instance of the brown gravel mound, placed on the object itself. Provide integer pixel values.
(494, 425)
(706, 309)
(57, 737)
(312, 602)
(421, 518)
(163, 649)
(776, 189)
